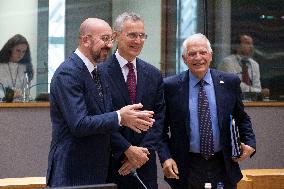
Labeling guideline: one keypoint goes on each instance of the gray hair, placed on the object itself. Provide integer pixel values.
(194, 37)
(119, 21)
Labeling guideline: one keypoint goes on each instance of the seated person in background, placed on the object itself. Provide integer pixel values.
(242, 64)
(15, 61)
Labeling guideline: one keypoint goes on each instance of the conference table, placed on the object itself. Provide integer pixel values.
(262, 179)
(253, 179)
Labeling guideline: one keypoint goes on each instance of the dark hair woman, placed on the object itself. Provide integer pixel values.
(15, 61)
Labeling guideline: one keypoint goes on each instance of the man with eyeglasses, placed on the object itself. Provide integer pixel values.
(132, 80)
(82, 115)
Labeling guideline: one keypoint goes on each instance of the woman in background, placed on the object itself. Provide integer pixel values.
(15, 61)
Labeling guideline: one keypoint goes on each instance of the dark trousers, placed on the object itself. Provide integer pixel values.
(130, 182)
(147, 173)
(203, 171)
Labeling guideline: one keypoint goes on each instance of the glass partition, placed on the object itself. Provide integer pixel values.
(51, 30)
(263, 22)
(239, 31)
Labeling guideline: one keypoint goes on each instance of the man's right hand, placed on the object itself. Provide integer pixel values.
(170, 169)
(135, 119)
(137, 156)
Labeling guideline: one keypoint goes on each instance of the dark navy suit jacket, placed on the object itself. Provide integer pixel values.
(80, 148)
(228, 101)
(150, 94)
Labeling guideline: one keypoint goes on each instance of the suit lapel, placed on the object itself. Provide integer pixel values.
(89, 79)
(184, 97)
(141, 80)
(117, 78)
(219, 93)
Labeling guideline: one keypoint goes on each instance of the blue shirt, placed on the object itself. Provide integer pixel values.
(193, 111)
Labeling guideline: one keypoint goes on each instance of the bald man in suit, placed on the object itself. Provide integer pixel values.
(82, 114)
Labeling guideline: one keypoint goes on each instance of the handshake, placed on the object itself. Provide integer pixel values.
(136, 119)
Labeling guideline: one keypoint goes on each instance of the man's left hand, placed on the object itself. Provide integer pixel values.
(126, 168)
(247, 152)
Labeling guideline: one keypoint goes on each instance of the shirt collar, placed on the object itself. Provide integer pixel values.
(86, 61)
(207, 78)
(239, 58)
(122, 61)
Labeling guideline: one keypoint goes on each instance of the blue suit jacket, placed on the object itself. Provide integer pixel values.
(81, 130)
(150, 93)
(229, 102)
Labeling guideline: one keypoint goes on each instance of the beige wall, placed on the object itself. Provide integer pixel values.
(25, 135)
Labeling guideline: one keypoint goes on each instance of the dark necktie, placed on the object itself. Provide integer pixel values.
(245, 75)
(131, 82)
(97, 80)
(205, 124)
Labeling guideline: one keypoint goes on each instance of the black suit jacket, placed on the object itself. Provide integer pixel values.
(229, 102)
(150, 93)
(81, 130)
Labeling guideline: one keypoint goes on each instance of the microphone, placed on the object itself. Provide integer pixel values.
(251, 80)
(134, 173)
(1, 84)
(3, 88)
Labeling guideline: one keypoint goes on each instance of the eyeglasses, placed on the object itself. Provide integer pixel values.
(104, 38)
(107, 38)
(135, 35)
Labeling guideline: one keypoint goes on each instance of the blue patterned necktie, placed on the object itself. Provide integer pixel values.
(205, 124)
(131, 82)
(97, 80)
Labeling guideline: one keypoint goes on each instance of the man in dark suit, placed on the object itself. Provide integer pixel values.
(146, 87)
(81, 113)
(190, 159)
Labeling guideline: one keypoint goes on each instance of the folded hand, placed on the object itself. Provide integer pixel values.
(135, 119)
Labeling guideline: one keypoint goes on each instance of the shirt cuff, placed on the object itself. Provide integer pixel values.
(119, 117)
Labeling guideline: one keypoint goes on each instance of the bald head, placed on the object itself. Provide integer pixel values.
(95, 39)
(245, 38)
(92, 26)
(245, 47)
